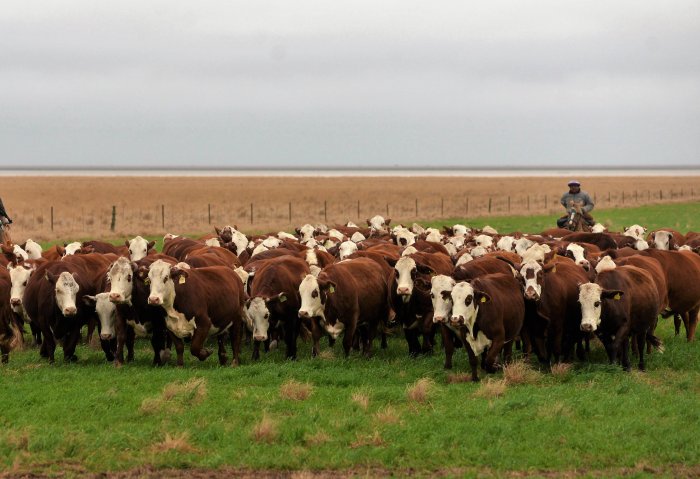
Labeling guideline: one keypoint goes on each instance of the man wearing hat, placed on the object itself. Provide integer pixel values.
(575, 195)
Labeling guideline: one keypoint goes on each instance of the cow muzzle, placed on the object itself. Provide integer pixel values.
(106, 336)
(15, 302)
(116, 298)
(587, 327)
(457, 319)
(70, 311)
(260, 337)
(304, 314)
(154, 300)
(531, 294)
(438, 319)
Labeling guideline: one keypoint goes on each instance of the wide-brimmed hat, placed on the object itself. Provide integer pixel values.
(574, 183)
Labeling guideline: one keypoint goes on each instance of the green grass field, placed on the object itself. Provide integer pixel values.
(358, 416)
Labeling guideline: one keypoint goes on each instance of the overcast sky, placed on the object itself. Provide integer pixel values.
(359, 83)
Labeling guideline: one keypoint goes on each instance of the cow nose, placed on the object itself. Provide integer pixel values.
(260, 337)
(15, 301)
(105, 336)
(457, 319)
(303, 314)
(438, 319)
(115, 297)
(586, 328)
(530, 293)
(403, 290)
(69, 311)
(153, 300)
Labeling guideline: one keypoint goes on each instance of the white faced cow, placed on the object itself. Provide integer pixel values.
(33, 249)
(378, 225)
(139, 247)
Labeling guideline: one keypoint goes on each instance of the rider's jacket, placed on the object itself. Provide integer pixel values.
(580, 197)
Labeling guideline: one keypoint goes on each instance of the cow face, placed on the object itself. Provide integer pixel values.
(19, 252)
(478, 251)
(138, 248)
(606, 263)
(441, 296)
(522, 245)
(464, 259)
(72, 248)
(161, 276)
(213, 242)
(458, 241)
(66, 290)
(532, 273)
(406, 272)
(578, 254)
(225, 234)
(306, 232)
(378, 225)
(19, 276)
(598, 228)
(506, 243)
(641, 245)
(346, 249)
(405, 237)
(591, 296)
(433, 234)
(33, 249)
(484, 240)
(662, 240)
(120, 276)
(536, 252)
(313, 292)
(258, 317)
(465, 304)
(357, 237)
(460, 230)
(106, 312)
(635, 231)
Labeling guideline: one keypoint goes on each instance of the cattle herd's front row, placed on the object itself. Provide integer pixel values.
(481, 290)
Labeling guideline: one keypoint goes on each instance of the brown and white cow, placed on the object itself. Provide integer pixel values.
(666, 239)
(139, 248)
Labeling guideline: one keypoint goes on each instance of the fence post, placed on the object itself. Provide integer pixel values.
(508, 203)
(358, 209)
(251, 213)
(325, 211)
(442, 207)
(545, 202)
(489, 204)
(466, 209)
(608, 196)
(209, 211)
(162, 215)
(290, 211)
(528, 202)
(114, 218)
(595, 197)
(661, 194)
(387, 210)
(635, 196)
(52, 218)
(416, 207)
(623, 197)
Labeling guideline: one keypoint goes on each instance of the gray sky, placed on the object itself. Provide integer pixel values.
(292, 83)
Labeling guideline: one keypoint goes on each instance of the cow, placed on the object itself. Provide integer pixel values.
(102, 247)
(378, 225)
(139, 248)
(347, 297)
(682, 271)
(441, 296)
(274, 300)
(19, 276)
(634, 231)
(666, 239)
(480, 267)
(232, 239)
(491, 309)
(10, 329)
(414, 308)
(623, 302)
(199, 302)
(601, 240)
(33, 249)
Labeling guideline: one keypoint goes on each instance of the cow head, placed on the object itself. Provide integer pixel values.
(121, 275)
(663, 240)
(441, 297)
(306, 232)
(258, 312)
(605, 263)
(578, 254)
(33, 249)
(72, 248)
(226, 233)
(66, 290)
(465, 304)
(378, 225)
(19, 276)
(345, 249)
(464, 259)
(162, 277)
(522, 245)
(598, 228)
(138, 248)
(406, 272)
(506, 243)
(404, 237)
(106, 312)
(591, 296)
(635, 231)
(314, 294)
(531, 274)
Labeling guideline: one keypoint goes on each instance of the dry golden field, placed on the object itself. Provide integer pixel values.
(82, 206)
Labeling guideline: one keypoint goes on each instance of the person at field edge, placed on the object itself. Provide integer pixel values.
(575, 195)
(4, 218)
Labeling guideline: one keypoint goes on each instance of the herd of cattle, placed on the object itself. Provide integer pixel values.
(483, 291)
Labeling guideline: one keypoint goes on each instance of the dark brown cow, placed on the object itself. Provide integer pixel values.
(481, 267)
(601, 240)
(348, 297)
(96, 246)
(10, 335)
(227, 257)
(199, 302)
(274, 300)
(490, 311)
(622, 303)
(682, 271)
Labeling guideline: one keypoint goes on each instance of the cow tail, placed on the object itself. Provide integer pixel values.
(655, 342)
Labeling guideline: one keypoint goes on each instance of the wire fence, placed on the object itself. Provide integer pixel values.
(126, 218)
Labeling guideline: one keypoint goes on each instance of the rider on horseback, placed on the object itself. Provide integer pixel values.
(4, 221)
(576, 196)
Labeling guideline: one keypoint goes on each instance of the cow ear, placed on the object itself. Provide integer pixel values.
(142, 272)
(480, 297)
(387, 221)
(615, 294)
(390, 261)
(247, 302)
(89, 300)
(217, 231)
(425, 269)
(548, 256)
(368, 223)
(50, 277)
(61, 250)
(423, 284)
(126, 243)
(65, 244)
(150, 245)
(551, 266)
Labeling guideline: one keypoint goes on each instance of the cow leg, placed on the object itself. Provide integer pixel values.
(235, 334)
(349, 337)
(291, 332)
(130, 339)
(677, 323)
(120, 328)
(220, 339)
(36, 333)
(692, 323)
(448, 344)
(508, 352)
(641, 340)
(428, 333)
(413, 343)
(473, 361)
(622, 341)
(383, 333)
(5, 353)
(490, 363)
(625, 353)
(107, 347)
(91, 325)
(179, 349)
(158, 340)
(256, 350)
(200, 335)
(70, 343)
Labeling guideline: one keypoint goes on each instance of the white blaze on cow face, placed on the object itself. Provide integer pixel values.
(464, 259)
(598, 228)
(641, 245)
(484, 240)
(506, 243)
(243, 274)
(405, 237)
(334, 233)
(240, 240)
(310, 292)
(434, 235)
(107, 314)
(311, 258)
(458, 241)
(66, 292)
(405, 274)
(120, 276)
(345, 249)
(522, 245)
(272, 242)
(19, 252)
(33, 249)
(138, 248)
(478, 251)
(307, 232)
(259, 318)
(315, 271)
(635, 231)
(441, 296)
(662, 240)
(451, 250)
(377, 224)
(162, 293)
(605, 264)
(409, 251)
(19, 275)
(460, 230)
(532, 273)
(259, 249)
(464, 309)
(72, 248)
(578, 253)
(212, 242)
(357, 237)
(589, 297)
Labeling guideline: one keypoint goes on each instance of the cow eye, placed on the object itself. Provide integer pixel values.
(314, 293)
(468, 300)
(596, 304)
(432, 295)
(131, 252)
(128, 278)
(165, 280)
(267, 315)
(24, 284)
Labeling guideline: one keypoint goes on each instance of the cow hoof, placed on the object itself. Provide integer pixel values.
(118, 364)
(164, 355)
(204, 354)
(72, 359)
(235, 363)
(273, 345)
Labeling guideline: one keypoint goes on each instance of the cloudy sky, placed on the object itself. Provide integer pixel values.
(349, 83)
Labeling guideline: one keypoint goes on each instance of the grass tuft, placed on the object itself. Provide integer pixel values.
(420, 390)
(174, 443)
(457, 378)
(361, 399)
(176, 396)
(520, 372)
(295, 391)
(388, 415)
(561, 371)
(266, 430)
(374, 440)
(491, 388)
(316, 439)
